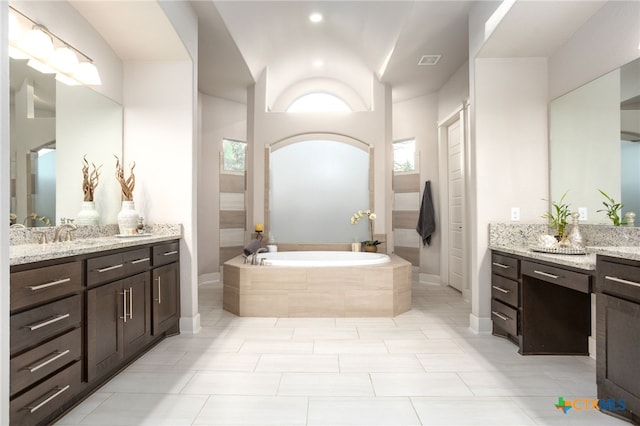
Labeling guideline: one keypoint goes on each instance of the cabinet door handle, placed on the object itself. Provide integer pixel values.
(621, 281)
(124, 305)
(546, 274)
(130, 302)
(169, 253)
(499, 315)
(57, 392)
(110, 268)
(56, 355)
(501, 265)
(134, 262)
(49, 321)
(49, 284)
(159, 299)
(504, 290)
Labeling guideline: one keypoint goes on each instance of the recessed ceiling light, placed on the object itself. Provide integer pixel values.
(315, 17)
(429, 59)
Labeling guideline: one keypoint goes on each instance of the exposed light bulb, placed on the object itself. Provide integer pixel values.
(65, 59)
(87, 73)
(36, 43)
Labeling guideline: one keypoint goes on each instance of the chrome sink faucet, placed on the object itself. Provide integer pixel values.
(67, 228)
(254, 260)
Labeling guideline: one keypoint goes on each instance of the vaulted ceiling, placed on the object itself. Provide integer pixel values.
(356, 40)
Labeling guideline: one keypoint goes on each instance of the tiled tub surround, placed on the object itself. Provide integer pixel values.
(617, 241)
(24, 246)
(356, 291)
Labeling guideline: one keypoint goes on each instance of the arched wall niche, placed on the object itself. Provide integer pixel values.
(314, 182)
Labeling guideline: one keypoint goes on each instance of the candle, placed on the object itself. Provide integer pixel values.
(259, 227)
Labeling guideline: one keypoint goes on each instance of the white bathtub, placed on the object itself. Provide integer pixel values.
(323, 258)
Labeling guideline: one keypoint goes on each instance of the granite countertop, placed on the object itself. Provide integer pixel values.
(584, 261)
(28, 253)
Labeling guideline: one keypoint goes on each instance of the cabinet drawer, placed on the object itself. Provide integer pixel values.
(38, 363)
(137, 261)
(618, 279)
(105, 268)
(505, 317)
(166, 253)
(506, 266)
(35, 405)
(41, 284)
(505, 290)
(569, 279)
(36, 325)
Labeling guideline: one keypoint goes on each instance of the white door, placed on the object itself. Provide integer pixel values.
(455, 152)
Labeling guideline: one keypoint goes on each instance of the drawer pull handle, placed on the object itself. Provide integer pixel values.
(546, 274)
(130, 302)
(499, 315)
(124, 306)
(159, 299)
(48, 322)
(504, 290)
(501, 265)
(110, 268)
(134, 262)
(170, 253)
(58, 392)
(51, 284)
(621, 281)
(56, 355)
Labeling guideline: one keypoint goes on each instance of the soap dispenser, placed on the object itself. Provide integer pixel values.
(575, 237)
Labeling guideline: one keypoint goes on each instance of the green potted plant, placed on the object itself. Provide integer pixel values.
(613, 209)
(558, 215)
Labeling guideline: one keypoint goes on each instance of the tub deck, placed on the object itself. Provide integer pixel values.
(348, 291)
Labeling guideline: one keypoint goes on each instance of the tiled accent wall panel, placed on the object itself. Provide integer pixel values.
(406, 205)
(232, 215)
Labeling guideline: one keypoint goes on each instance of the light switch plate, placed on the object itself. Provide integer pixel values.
(515, 213)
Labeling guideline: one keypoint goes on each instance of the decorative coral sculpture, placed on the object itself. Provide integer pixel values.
(90, 179)
(127, 184)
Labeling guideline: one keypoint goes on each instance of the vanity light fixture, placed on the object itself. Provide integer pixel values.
(48, 53)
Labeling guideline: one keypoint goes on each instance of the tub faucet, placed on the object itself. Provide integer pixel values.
(65, 227)
(254, 260)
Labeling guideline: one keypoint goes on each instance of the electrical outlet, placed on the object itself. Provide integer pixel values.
(582, 211)
(515, 213)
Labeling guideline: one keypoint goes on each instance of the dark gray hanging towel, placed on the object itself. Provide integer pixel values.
(426, 220)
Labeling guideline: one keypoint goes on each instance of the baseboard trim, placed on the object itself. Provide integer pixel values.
(480, 325)
(429, 279)
(190, 325)
(213, 277)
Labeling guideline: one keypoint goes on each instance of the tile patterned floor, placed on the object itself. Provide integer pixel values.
(422, 367)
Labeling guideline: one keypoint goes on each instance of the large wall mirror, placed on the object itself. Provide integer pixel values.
(595, 143)
(315, 186)
(53, 126)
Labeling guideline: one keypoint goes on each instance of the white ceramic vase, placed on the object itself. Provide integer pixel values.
(128, 219)
(88, 215)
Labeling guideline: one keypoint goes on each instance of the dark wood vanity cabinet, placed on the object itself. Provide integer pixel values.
(46, 339)
(617, 336)
(76, 324)
(505, 296)
(543, 308)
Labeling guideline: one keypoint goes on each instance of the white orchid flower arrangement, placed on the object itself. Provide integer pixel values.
(371, 216)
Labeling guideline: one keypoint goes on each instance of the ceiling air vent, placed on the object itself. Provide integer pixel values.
(429, 59)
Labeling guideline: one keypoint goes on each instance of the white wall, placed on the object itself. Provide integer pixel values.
(418, 118)
(220, 119)
(607, 41)
(4, 216)
(510, 158)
